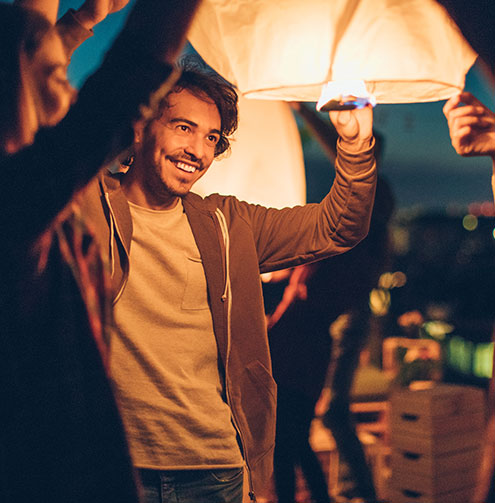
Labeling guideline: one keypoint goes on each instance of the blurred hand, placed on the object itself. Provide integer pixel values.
(355, 127)
(92, 12)
(471, 126)
(296, 289)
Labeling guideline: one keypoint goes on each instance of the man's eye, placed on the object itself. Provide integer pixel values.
(183, 128)
(213, 139)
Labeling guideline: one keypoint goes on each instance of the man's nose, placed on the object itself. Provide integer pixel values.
(195, 147)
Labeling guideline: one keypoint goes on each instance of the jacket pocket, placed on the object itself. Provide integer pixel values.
(195, 294)
(259, 376)
(258, 402)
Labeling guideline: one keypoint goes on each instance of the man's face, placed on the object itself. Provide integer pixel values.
(178, 148)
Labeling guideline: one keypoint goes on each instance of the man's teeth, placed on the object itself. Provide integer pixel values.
(186, 167)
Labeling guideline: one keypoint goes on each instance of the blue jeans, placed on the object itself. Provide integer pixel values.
(192, 486)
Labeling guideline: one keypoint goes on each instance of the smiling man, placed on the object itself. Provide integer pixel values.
(189, 353)
(174, 151)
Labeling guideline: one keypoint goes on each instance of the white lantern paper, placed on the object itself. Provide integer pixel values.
(405, 50)
(266, 163)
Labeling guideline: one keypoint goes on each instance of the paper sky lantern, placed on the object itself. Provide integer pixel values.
(404, 50)
(266, 163)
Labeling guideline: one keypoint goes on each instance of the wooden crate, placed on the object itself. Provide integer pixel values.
(433, 486)
(436, 445)
(441, 410)
(413, 462)
(436, 437)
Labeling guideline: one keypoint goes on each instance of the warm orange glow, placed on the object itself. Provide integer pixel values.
(406, 52)
(392, 280)
(338, 95)
(379, 301)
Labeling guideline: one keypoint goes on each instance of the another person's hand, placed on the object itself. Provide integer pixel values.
(355, 127)
(471, 125)
(93, 12)
(295, 290)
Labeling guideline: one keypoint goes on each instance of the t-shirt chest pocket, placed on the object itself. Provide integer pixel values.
(195, 293)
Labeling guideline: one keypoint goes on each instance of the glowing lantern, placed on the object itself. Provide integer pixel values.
(266, 163)
(404, 50)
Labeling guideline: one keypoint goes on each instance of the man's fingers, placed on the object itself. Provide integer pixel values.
(470, 99)
(474, 110)
(340, 117)
(451, 104)
(482, 123)
(463, 133)
(464, 104)
(479, 117)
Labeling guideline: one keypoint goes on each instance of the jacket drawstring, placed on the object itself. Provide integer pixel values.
(112, 228)
(226, 241)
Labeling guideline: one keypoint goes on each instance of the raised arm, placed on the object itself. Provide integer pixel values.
(471, 128)
(293, 236)
(76, 25)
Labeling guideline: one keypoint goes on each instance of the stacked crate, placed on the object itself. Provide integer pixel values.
(436, 437)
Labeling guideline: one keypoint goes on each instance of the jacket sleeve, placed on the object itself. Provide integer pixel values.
(38, 181)
(293, 236)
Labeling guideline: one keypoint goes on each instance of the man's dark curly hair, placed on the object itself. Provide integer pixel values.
(203, 82)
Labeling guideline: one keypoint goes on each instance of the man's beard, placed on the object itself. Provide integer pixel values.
(155, 185)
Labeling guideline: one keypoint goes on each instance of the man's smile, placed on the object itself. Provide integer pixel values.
(185, 165)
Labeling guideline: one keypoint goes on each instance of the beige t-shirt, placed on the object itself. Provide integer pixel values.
(164, 356)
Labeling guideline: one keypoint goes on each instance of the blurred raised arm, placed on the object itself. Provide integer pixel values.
(135, 74)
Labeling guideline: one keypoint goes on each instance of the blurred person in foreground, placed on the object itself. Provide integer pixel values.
(61, 436)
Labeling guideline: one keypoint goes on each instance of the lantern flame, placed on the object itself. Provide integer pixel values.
(344, 95)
